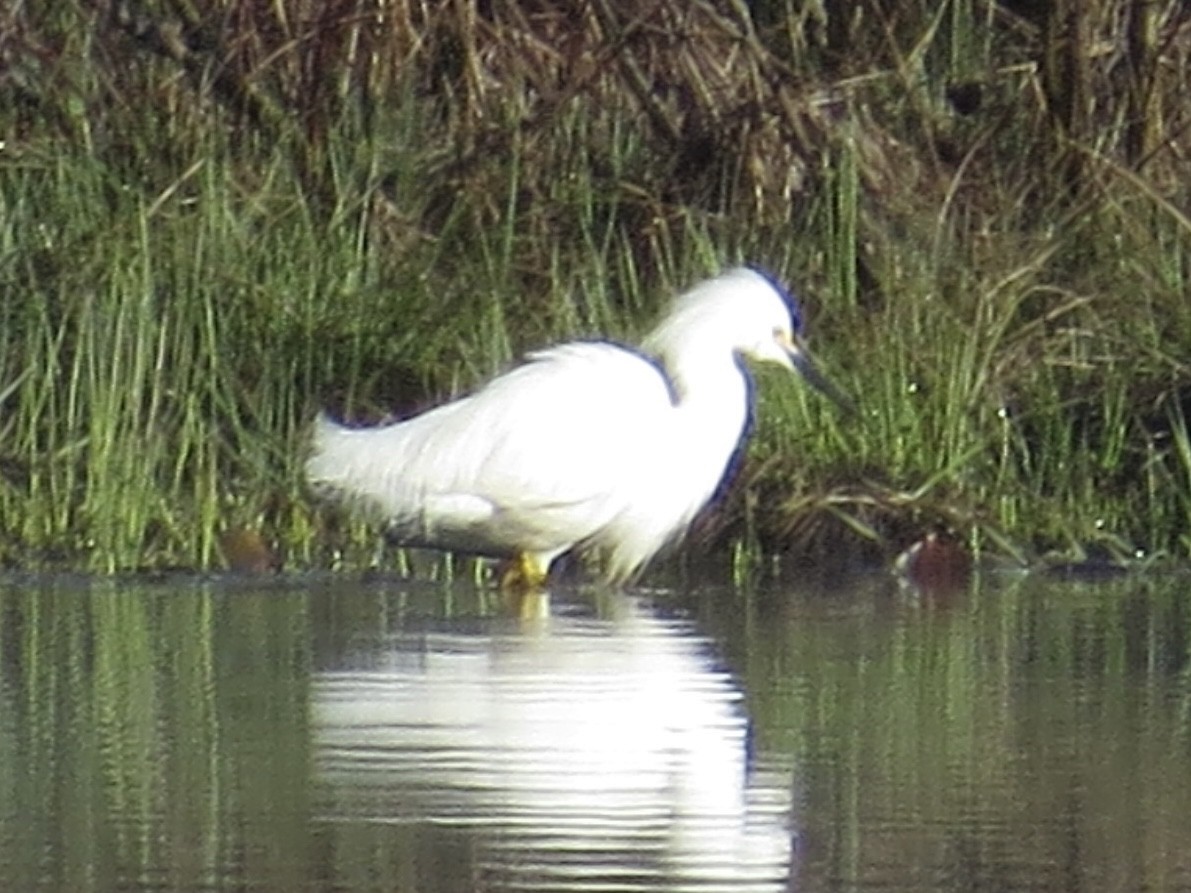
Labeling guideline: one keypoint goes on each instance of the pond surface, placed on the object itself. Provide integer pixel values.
(328, 734)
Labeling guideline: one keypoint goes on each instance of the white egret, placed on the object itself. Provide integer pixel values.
(588, 445)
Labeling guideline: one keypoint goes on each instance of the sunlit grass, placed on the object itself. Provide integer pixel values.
(186, 289)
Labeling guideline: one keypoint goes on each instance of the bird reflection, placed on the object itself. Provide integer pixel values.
(583, 747)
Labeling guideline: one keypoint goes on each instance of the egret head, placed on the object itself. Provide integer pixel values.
(770, 318)
(755, 313)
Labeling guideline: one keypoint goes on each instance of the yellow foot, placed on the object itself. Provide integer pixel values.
(524, 574)
(523, 583)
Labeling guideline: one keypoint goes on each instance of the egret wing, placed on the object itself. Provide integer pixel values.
(569, 429)
(538, 459)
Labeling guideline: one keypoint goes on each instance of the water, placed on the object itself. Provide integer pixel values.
(296, 735)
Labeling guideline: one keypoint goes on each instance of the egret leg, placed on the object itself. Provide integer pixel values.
(525, 573)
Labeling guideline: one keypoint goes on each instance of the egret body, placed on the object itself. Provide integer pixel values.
(588, 445)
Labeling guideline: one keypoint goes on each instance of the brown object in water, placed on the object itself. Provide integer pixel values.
(245, 551)
(935, 564)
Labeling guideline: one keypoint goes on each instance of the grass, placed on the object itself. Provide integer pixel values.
(200, 256)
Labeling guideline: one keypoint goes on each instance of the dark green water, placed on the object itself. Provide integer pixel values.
(333, 735)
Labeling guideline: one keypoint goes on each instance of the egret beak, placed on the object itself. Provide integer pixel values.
(802, 362)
